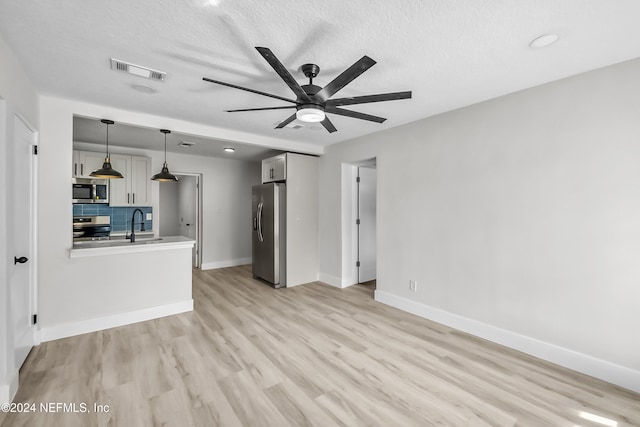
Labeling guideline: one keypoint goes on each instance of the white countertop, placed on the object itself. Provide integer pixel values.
(122, 246)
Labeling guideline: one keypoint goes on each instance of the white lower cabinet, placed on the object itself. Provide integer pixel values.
(135, 188)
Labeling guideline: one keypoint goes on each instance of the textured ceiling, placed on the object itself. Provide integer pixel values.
(449, 53)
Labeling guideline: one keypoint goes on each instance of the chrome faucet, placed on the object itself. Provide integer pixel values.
(132, 236)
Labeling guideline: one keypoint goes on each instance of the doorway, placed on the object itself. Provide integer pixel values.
(22, 273)
(180, 207)
(359, 223)
(366, 224)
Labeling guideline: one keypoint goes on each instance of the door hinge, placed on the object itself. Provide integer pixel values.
(34, 319)
(357, 179)
(358, 221)
(357, 263)
(35, 150)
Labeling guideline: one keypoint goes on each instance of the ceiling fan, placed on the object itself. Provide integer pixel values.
(313, 102)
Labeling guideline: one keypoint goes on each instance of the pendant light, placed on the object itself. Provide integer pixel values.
(164, 175)
(106, 171)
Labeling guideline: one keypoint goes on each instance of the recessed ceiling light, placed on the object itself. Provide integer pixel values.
(187, 144)
(143, 88)
(544, 41)
(229, 149)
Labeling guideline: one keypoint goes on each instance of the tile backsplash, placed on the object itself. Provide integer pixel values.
(120, 216)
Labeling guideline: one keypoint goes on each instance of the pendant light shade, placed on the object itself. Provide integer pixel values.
(164, 175)
(106, 171)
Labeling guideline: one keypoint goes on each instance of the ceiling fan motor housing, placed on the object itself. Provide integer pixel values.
(310, 90)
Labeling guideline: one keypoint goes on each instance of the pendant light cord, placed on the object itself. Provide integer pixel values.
(165, 148)
(107, 139)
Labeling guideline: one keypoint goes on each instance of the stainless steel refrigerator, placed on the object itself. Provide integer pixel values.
(269, 239)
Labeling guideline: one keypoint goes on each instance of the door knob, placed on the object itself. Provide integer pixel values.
(20, 260)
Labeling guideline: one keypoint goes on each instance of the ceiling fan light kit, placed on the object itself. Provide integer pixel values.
(310, 113)
(313, 102)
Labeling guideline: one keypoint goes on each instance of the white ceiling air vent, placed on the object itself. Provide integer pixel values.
(187, 144)
(137, 70)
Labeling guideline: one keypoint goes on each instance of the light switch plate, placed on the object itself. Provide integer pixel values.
(149, 216)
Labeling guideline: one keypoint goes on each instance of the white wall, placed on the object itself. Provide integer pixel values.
(518, 217)
(63, 281)
(17, 96)
(302, 219)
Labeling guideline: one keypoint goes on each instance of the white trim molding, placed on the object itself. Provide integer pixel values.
(8, 391)
(331, 280)
(55, 332)
(228, 263)
(583, 363)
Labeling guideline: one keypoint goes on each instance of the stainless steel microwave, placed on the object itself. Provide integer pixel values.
(90, 190)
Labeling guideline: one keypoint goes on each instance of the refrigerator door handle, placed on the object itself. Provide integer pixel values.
(260, 235)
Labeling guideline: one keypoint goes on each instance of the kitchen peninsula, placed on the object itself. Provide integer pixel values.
(124, 283)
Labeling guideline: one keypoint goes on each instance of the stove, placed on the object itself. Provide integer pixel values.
(91, 228)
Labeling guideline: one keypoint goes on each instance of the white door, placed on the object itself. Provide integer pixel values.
(21, 279)
(367, 227)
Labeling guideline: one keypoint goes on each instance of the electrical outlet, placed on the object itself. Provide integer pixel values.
(149, 216)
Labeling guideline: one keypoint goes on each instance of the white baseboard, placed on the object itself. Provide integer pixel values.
(598, 368)
(331, 280)
(8, 391)
(101, 323)
(227, 263)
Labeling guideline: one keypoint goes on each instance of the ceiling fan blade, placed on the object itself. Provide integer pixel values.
(259, 109)
(248, 90)
(287, 121)
(368, 98)
(345, 78)
(283, 73)
(354, 114)
(328, 125)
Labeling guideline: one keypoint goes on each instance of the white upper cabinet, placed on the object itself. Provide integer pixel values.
(135, 188)
(141, 181)
(85, 162)
(274, 168)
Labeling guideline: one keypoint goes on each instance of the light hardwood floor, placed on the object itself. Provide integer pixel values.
(250, 355)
